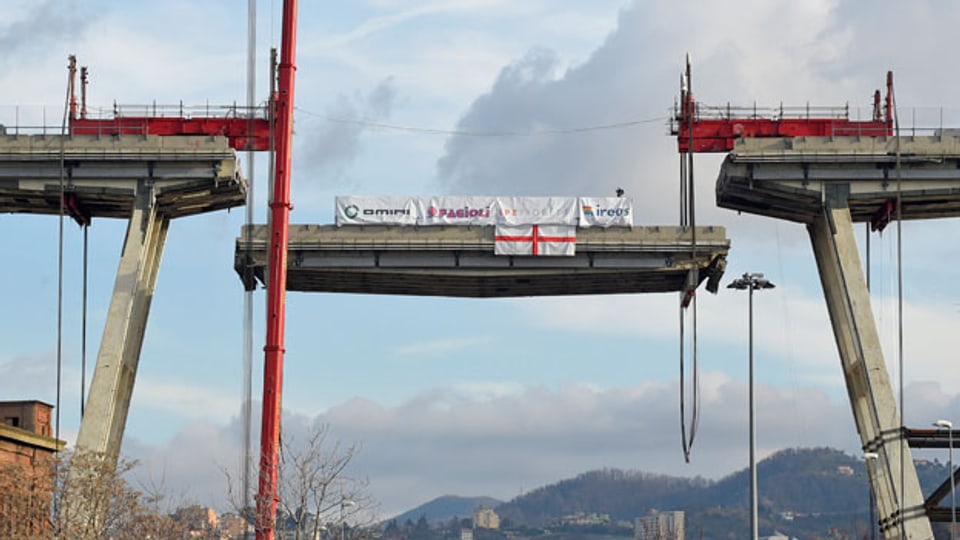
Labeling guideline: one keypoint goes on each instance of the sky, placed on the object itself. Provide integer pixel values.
(480, 397)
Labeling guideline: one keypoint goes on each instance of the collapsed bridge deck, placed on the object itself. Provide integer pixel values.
(791, 178)
(460, 261)
(101, 175)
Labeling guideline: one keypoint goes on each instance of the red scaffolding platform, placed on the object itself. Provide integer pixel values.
(704, 128)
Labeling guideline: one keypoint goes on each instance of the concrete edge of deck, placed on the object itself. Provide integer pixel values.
(189, 174)
(459, 261)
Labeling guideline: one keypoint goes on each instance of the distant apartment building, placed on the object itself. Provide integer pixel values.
(584, 519)
(485, 518)
(660, 526)
(234, 526)
(197, 520)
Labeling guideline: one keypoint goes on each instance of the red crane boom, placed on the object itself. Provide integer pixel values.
(277, 280)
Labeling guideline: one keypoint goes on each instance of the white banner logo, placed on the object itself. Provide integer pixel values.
(457, 211)
(537, 210)
(606, 212)
(483, 211)
(376, 211)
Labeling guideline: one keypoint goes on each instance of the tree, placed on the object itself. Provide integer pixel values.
(317, 498)
(48, 501)
(25, 501)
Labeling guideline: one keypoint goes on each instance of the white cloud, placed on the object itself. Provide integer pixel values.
(183, 399)
(791, 325)
(34, 376)
(383, 23)
(435, 347)
(530, 436)
(525, 438)
(331, 145)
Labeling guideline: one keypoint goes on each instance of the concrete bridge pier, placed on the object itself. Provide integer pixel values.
(105, 415)
(892, 474)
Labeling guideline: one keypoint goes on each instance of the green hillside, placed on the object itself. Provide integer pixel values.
(807, 493)
(817, 493)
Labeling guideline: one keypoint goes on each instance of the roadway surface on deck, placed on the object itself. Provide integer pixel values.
(460, 261)
(189, 175)
(788, 178)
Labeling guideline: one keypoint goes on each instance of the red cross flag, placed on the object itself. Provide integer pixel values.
(536, 240)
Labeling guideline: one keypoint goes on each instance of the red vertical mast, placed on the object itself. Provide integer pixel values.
(277, 283)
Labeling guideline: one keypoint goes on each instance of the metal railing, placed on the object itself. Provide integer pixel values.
(914, 121)
(155, 110)
(47, 120)
(730, 112)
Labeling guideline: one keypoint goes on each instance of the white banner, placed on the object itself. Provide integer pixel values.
(606, 212)
(535, 240)
(482, 211)
(457, 210)
(376, 211)
(537, 210)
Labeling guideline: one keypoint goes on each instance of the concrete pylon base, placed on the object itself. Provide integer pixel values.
(893, 476)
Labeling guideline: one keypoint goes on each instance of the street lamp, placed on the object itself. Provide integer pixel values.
(948, 425)
(871, 457)
(343, 504)
(752, 281)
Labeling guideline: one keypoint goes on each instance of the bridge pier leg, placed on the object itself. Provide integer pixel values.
(898, 495)
(105, 415)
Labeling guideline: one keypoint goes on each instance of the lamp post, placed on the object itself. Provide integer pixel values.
(752, 281)
(948, 425)
(871, 457)
(343, 504)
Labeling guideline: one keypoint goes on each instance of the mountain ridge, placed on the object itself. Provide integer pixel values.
(446, 507)
(803, 492)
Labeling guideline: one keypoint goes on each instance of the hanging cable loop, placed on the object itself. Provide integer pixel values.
(688, 294)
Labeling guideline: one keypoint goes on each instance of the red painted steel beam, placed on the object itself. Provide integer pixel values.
(712, 135)
(277, 281)
(720, 131)
(243, 133)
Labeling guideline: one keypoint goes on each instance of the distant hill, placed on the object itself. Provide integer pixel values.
(802, 492)
(623, 495)
(444, 508)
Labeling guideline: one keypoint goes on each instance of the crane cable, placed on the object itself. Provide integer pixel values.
(247, 395)
(897, 168)
(61, 212)
(688, 220)
(83, 324)
(694, 420)
(898, 494)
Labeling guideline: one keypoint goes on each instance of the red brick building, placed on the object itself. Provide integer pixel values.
(26, 449)
(26, 433)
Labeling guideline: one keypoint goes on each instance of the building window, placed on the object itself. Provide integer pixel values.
(12, 421)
